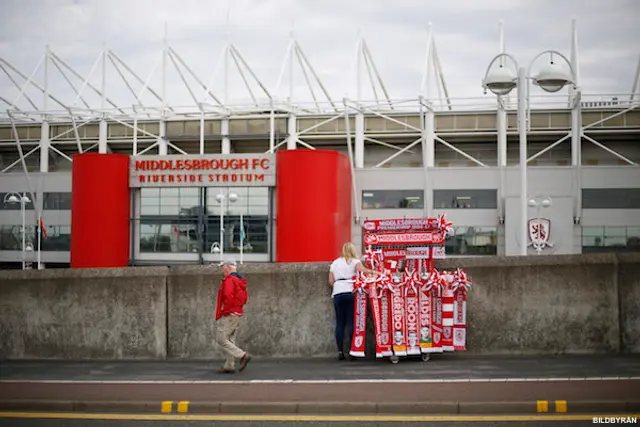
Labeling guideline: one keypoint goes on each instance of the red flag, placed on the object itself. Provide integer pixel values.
(44, 230)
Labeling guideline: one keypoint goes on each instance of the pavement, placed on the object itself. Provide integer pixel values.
(448, 384)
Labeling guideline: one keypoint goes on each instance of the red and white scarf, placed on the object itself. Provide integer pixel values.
(412, 310)
(460, 286)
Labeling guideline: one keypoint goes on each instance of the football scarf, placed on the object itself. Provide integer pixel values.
(460, 286)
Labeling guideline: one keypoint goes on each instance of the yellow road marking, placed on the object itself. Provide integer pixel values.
(561, 406)
(183, 406)
(166, 406)
(371, 418)
(543, 406)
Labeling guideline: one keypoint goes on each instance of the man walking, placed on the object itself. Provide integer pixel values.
(232, 296)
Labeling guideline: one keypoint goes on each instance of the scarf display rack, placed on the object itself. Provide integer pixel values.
(417, 310)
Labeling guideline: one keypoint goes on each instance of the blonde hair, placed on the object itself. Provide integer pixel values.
(349, 252)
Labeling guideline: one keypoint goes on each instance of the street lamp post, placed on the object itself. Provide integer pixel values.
(221, 198)
(501, 81)
(23, 199)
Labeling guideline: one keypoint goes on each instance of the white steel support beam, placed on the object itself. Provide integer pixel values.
(134, 150)
(79, 76)
(356, 196)
(292, 130)
(163, 147)
(8, 168)
(359, 136)
(45, 143)
(386, 144)
(636, 82)
(224, 131)
(430, 138)
(29, 81)
(576, 132)
(47, 58)
(102, 136)
(408, 147)
(459, 151)
(15, 83)
(549, 147)
(425, 161)
(608, 150)
(201, 130)
(272, 128)
(576, 156)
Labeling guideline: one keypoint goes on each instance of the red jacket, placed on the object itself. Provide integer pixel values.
(232, 296)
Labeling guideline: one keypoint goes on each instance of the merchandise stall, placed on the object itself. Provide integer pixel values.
(417, 310)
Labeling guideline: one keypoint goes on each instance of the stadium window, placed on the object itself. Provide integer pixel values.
(465, 199)
(610, 239)
(472, 241)
(57, 201)
(611, 198)
(392, 199)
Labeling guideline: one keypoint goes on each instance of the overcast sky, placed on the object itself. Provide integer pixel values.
(466, 34)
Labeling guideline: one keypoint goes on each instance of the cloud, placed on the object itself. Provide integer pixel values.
(466, 33)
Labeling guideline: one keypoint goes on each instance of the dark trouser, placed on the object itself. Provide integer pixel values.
(343, 304)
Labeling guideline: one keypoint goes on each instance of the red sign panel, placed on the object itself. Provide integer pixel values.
(427, 238)
(404, 224)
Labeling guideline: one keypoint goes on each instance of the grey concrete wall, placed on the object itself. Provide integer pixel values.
(533, 305)
(547, 304)
(83, 314)
(628, 284)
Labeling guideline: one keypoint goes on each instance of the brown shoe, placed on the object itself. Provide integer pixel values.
(225, 371)
(243, 362)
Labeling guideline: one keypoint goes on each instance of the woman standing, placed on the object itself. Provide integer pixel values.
(341, 277)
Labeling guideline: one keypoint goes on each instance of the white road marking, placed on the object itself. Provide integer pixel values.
(293, 381)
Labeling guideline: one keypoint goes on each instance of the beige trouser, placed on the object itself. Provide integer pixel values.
(227, 330)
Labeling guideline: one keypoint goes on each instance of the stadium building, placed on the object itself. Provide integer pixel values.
(274, 180)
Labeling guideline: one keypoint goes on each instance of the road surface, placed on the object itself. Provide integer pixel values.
(447, 384)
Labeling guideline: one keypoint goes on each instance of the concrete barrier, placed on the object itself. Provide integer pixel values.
(83, 314)
(533, 305)
(289, 312)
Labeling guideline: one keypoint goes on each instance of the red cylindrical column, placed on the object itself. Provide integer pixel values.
(100, 210)
(313, 205)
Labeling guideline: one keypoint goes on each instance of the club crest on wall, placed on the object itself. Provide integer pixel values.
(540, 234)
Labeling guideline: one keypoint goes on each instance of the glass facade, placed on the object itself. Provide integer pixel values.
(610, 239)
(11, 237)
(58, 238)
(57, 201)
(392, 199)
(465, 199)
(611, 198)
(472, 241)
(188, 220)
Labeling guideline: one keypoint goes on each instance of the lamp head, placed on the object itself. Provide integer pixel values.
(219, 197)
(12, 199)
(233, 197)
(500, 80)
(552, 78)
(546, 203)
(532, 203)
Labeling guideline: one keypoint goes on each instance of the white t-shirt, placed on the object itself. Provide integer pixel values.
(343, 275)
